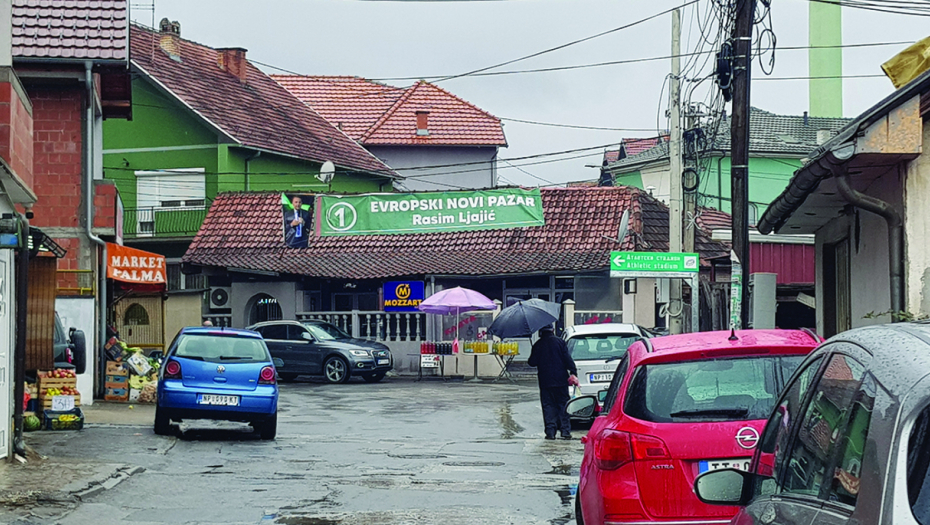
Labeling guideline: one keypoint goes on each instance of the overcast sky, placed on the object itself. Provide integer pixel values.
(384, 39)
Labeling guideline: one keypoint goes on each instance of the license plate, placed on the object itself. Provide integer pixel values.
(383, 361)
(211, 399)
(600, 378)
(717, 464)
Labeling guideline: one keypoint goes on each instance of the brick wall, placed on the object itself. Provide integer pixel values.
(57, 168)
(16, 131)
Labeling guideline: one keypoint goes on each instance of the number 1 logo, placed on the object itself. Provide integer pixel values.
(341, 216)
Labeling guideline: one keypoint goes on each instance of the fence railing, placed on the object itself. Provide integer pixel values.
(163, 221)
(374, 325)
(598, 316)
(219, 319)
(77, 282)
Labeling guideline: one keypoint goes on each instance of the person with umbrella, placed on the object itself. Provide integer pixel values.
(555, 371)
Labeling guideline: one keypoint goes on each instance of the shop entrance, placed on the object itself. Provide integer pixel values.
(264, 308)
(140, 321)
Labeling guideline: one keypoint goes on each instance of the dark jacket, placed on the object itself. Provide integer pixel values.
(290, 232)
(552, 361)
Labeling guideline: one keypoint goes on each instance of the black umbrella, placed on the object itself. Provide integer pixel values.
(524, 318)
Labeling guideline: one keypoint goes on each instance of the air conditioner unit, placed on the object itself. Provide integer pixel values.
(219, 296)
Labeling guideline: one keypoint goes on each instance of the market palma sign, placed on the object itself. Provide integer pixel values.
(653, 264)
(130, 265)
(410, 213)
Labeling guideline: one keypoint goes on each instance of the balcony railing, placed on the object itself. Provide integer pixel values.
(181, 221)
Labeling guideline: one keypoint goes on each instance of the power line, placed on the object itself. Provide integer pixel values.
(567, 44)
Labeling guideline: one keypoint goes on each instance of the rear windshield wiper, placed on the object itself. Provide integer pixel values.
(613, 358)
(734, 412)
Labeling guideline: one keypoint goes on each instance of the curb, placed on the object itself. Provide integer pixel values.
(97, 487)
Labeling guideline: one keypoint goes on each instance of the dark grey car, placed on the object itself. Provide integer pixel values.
(318, 348)
(849, 440)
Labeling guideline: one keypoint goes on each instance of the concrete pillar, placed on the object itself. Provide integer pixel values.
(568, 313)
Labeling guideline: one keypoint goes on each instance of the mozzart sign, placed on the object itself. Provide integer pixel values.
(403, 296)
(653, 264)
(409, 213)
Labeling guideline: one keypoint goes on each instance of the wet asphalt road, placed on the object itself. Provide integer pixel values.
(397, 452)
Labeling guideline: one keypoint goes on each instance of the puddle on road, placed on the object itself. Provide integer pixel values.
(306, 520)
(417, 456)
(509, 427)
(473, 464)
(567, 495)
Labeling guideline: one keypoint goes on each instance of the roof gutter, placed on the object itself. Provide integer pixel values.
(895, 236)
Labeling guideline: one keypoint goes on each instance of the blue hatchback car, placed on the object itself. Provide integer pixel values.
(218, 373)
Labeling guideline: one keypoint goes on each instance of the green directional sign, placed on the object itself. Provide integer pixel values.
(653, 264)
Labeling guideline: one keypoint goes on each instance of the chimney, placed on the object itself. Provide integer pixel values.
(823, 135)
(169, 38)
(807, 121)
(232, 60)
(423, 123)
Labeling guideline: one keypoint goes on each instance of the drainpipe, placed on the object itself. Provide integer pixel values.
(249, 159)
(895, 235)
(89, 223)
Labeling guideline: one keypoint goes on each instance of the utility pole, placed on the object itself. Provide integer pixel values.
(690, 197)
(675, 304)
(739, 142)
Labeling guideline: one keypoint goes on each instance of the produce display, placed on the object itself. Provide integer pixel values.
(31, 423)
(70, 420)
(131, 376)
(63, 391)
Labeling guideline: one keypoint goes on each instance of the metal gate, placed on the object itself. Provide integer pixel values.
(140, 321)
(6, 348)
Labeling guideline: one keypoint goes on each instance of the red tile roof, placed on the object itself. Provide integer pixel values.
(257, 113)
(637, 146)
(710, 219)
(377, 114)
(70, 29)
(573, 239)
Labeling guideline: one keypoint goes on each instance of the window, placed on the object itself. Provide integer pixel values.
(216, 349)
(806, 467)
(170, 189)
(918, 473)
(136, 316)
(707, 390)
(845, 484)
(274, 331)
(614, 389)
(600, 346)
(331, 329)
(319, 333)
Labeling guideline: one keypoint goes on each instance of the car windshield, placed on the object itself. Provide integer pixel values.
(333, 331)
(221, 348)
(600, 346)
(709, 390)
(319, 333)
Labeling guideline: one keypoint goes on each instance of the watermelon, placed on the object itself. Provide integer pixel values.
(31, 423)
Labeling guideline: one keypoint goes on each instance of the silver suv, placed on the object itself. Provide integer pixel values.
(848, 441)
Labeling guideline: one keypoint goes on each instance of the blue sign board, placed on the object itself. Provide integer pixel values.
(403, 296)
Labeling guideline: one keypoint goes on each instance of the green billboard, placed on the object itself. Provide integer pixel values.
(411, 213)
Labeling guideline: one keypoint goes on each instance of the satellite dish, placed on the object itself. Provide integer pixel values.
(327, 172)
(624, 225)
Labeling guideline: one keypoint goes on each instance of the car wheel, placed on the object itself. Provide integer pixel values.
(287, 377)
(162, 422)
(579, 519)
(373, 378)
(268, 428)
(335, 370)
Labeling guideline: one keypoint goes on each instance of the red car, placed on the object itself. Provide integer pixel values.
(679, 406)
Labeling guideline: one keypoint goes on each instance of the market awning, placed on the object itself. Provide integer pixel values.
(136, 267)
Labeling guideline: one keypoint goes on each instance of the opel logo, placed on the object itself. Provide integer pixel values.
(220, 369)
(747, 437)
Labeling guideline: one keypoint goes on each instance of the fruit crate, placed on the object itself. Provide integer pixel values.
(63, 420)
(46, 402)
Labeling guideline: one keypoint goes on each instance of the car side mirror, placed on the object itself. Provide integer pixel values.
(729, 487)
(583, 408)
(307, 337)
(278, 362)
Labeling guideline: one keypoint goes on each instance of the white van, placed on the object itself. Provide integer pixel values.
(597, 350)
